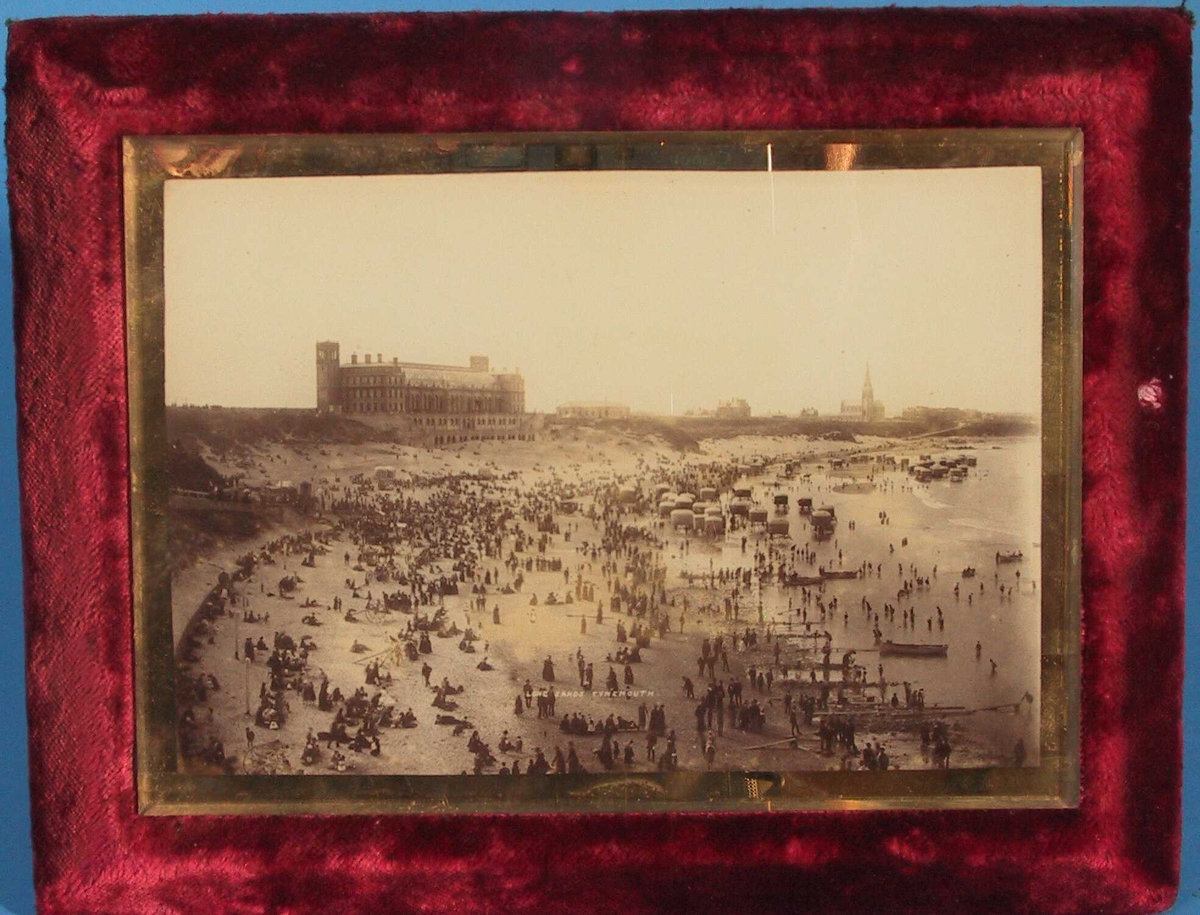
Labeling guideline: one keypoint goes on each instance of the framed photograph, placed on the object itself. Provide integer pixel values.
(720, 506)
(726, 461)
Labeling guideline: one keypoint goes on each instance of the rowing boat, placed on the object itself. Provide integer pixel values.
(912, 650)
(839, 574)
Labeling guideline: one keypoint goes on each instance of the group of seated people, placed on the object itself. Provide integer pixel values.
(197, 689)
(251, 647)
(624, 655)
(370, 716)
(389, 718)
(611, 755)
(326, 700)
(312, 750)
(272, 710)
(425, 622)
(214, 753)
(466, 643)
(444, 690)
(509, 746)
(376, 676)
(575, 723)
(637, 633)
(483, 753)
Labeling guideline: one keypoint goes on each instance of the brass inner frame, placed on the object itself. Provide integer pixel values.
(149, 162)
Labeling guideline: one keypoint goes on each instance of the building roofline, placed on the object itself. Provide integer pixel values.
(424, 367)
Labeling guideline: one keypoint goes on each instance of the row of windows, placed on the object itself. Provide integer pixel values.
(359, 381)
(432, 403)
(435, 402)
(464, 422)
(455, 439)
(391, 380)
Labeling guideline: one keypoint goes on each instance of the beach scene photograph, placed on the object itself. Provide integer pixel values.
(532, 474)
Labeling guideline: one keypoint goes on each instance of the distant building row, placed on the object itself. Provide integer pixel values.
(582, 409)
(948, 415)
(735, 408)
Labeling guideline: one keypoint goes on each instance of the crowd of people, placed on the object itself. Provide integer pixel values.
(451, 549)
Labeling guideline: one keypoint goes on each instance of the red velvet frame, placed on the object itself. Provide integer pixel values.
(76, 86)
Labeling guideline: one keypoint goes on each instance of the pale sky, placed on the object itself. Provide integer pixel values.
(628, 286)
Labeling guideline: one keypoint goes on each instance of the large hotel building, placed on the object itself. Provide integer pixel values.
(444, 404)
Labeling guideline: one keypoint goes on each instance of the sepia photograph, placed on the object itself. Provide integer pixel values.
(624, 472)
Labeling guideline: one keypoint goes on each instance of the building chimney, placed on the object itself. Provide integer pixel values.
(479, 363)
(379, 358)
(354, 358)
(368, 355)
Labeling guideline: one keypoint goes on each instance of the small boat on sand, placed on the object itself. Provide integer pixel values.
(802, 581)
(912, 650)
(838, 574)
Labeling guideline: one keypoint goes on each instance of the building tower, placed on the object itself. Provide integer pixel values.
(868, 397)
(329, 361)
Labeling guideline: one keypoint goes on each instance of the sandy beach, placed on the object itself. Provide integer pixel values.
(950, 526)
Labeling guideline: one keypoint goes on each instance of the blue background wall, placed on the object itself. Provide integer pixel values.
(16, 881)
